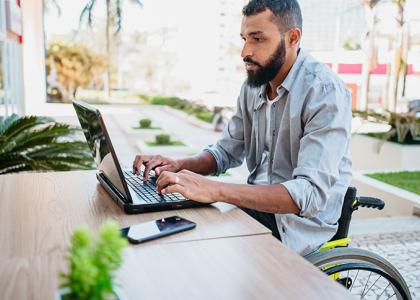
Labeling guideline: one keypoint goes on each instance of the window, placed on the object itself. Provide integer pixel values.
(11, 94)
(2, 47)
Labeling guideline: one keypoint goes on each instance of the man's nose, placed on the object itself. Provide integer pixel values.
(246, 51)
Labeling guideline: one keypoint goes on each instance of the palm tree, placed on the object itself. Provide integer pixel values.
(113, 19)
(38, 143)
(401, 52)
(370, 60)
(49, 3)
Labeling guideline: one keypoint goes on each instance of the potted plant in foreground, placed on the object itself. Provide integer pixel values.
(92, 263)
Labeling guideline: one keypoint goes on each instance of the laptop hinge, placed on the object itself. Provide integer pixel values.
(115, 194)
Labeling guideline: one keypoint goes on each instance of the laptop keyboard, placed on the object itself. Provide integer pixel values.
(147, 189)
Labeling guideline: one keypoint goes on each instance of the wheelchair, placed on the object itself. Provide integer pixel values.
(363, 273)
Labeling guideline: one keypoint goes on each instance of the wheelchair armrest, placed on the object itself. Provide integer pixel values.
(369, 202)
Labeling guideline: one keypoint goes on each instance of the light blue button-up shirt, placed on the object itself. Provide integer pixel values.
(309, 151)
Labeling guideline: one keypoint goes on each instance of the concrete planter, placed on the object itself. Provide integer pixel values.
(398, 202)
(171, 151)
(144, 134)
(365, 155)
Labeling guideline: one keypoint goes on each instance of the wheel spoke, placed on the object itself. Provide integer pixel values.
(366, 284)
(347, 278)
(375, 277)
(372, 285)
(355, 278)
(384, 290)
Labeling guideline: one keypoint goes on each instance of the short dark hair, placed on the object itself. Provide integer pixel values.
(287, 13)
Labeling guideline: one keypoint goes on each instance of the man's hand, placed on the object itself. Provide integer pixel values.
(191, 185)
(154, 162)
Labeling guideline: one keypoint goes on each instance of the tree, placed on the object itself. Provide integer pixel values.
(370, 60)
(401, 51)
(113, 19)
(74, 66)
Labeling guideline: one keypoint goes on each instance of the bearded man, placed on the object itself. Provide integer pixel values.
(292, 126)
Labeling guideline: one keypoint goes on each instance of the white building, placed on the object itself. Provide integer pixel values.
(11, 79)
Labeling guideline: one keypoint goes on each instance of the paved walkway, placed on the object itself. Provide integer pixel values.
(179, 125)
(397, 239)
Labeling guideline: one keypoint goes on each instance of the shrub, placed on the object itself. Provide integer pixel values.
(145, 123)
(205, 116)
(163, 139)
(199, 110)
(158, 100)
(144, 97)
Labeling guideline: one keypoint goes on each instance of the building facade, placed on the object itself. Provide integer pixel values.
(11, 76)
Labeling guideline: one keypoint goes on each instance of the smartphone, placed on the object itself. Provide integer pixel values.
(143, 232)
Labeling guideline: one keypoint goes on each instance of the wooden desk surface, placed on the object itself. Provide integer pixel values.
(39, 211)
(251, 267)
(228, 255)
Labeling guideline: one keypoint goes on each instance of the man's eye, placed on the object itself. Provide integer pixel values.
(257, 39)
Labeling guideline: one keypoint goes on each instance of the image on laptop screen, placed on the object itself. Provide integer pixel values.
(95, 136)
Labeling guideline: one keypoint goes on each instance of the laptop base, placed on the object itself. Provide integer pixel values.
(130, 208)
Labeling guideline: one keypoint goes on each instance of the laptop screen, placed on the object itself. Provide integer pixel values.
(96, 138)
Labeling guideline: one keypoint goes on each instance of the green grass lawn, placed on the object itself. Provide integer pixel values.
(409, 181)
(171, 143)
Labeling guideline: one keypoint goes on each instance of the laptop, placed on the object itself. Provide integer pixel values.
(127, 189)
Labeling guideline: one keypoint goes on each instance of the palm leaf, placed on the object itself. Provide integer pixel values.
(7, 122)
(30, 143)
(10, 129)
(385, 137)
(88, 9)
(137, 2)
(32, 137)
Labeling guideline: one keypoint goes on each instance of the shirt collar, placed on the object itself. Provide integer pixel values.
(294, 71)
(287, 82)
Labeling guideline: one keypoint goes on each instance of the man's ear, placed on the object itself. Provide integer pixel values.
(293, 37)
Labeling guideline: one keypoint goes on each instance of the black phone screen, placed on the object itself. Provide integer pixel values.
(150, 230)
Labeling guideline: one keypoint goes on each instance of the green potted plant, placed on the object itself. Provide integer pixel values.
(163, 139)
(145, 123)
(92, 263)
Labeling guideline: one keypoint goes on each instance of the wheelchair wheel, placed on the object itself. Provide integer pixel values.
(363, 273)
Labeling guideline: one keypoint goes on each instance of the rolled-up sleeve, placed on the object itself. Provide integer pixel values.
(326, 134)
(229, 150)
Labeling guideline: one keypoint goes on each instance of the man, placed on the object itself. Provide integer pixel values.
(292, 125)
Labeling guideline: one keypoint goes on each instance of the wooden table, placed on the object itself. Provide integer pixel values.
(228, 256)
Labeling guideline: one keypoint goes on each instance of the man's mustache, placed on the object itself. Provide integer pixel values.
(248, 59)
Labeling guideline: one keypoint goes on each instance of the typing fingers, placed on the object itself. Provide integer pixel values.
(166, 179)
(138, 161)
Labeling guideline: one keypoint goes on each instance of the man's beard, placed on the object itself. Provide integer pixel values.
(264, 74)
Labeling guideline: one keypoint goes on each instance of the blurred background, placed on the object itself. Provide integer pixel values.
(166, 76)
